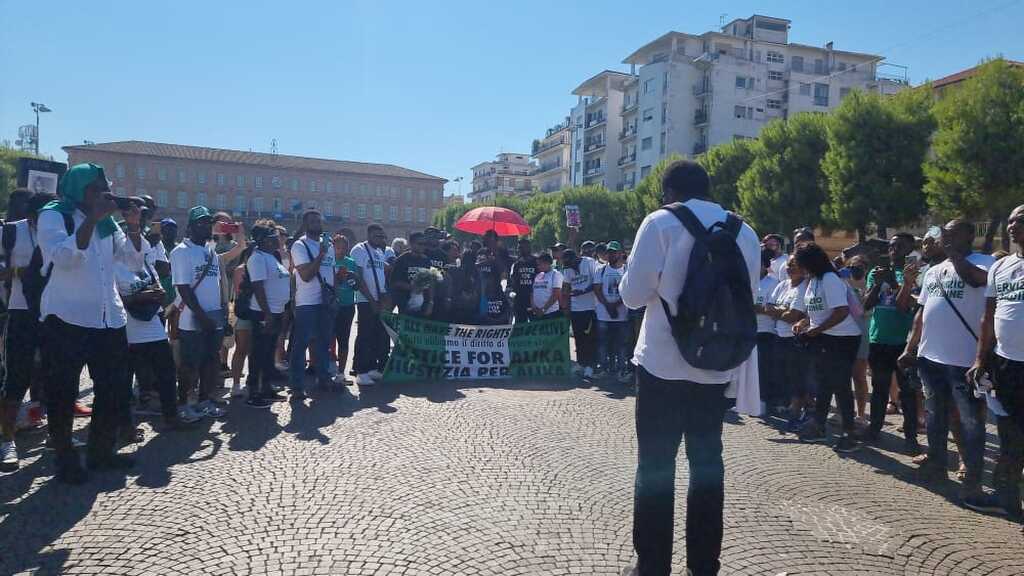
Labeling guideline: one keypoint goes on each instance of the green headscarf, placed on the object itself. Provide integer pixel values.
(72, 192)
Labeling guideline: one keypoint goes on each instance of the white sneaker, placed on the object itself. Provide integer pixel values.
(9, 454)
(365, 380)
(340, 379)
(237, 391)
(588, 372)
(375, 374)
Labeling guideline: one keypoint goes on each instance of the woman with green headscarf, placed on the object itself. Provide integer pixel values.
(83, 315)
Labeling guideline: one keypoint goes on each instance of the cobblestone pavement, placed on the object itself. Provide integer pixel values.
(473, 480)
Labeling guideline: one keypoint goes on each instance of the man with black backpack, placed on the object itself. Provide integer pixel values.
(696, 269)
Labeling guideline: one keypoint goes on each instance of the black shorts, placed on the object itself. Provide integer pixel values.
(22, 339)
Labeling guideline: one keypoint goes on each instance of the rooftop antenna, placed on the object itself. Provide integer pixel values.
(273, 146)
(721, 19)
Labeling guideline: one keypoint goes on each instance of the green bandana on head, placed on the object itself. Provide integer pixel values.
(72, 192)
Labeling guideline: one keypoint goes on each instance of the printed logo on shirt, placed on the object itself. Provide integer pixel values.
(526, 275)
(1010, 290)
(815, 304)
(212, 272)
(952, 287)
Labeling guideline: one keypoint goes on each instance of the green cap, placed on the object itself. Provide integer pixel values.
(198, 212)
(614, 246)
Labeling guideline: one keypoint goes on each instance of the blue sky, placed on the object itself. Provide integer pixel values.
(434, 86)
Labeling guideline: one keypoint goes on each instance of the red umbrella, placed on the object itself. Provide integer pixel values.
(503, 221)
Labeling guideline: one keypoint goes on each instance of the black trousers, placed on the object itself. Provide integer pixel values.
(1009, 386)
(372, 342)
(342, 333)
(882, 359)
(584, 333)
(667, 411)
(156, 359)
(22, 338)
(834, 368)
(521, 310)
(767, 359)
(105, 352)
(261, 355)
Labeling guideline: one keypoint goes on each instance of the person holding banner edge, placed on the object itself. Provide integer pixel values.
(372, 341)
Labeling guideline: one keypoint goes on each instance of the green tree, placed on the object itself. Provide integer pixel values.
(9, 172)
(977, 164)
(876, 146)
(784, 187)
(725, 164)
(646, 197)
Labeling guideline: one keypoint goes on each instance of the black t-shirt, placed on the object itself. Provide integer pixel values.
(404, 270)
(521, 278)
(437, 258)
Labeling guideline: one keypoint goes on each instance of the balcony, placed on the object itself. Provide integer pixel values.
(597, 101)
(545, 168)
(595, 171)
(627, 159)
(701, 91)
(545, 146)
(821, 101)
(628, 132)
(700, 118)
(699, 148)
(630, 107)
(595, 122)
(593, 147)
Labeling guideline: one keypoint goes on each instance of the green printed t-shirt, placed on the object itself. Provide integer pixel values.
(888, 324)
(346, 291)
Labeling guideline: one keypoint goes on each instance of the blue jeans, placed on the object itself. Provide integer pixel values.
(312, 323)
(611, 344)
(944, 386)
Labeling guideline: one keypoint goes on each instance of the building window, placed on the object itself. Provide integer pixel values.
(423, 195)
(276, 206)
(240, 181)
(805, 89)
(257, 182)
(182, 200)
(743, 112)
(313, 187)
(161, 198)
(140, 172)
(329, 187)
(380, 190)
(182, 177)
(648, 85)
(329, 209)
(364, 189)
(200, 198)
(774, 104)
(421, 215)
(648, 114)
(393, 213)
(161, 174)
(295, 184)
(662, 149)
(121, 191)
(240, 204)
(644, 171)
(257, 204)
(745, 82)
(775, 75)
(820, 94)
(361, 211)
(819, 66)
(394, 192)
(841, 66)
(120, 171)
(201, 177)
(775, 58)
(796, 64)
(345, 211)
(843, 93)
(407, 214)
(378, 212)
(221, 180)
(275, 181)
(408, 196)
(222, 202)
(295, 205)
(646, 143)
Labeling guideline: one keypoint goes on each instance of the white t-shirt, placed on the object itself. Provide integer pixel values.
(820, 298)
(130, 282)
(21, 255)
(187, 262)
(263, 267)
(580, 281)
(777, 268)
(765, 287)
(944, 338)
(361, 254)
(1006, 285)
(543, 284)
(308, 293)
(156, 254)
(607, 281)
(784, 295)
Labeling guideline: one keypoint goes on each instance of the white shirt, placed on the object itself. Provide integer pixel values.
(784, 295)
(765, 287)
(777, 268)
(657, 270)
(263, 267)
(187, 262)
(821, 297)
(544, 284)
(362, 253)
(580, 281)
(607, 281)
(81, 289)
(21, 255)
(156, 254)
(130, 282)
(944, 338)
(1006, 285)
(309, 293)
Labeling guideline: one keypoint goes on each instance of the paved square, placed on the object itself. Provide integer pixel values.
(470, 479)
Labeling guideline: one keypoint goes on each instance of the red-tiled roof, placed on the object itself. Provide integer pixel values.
(964, 75)
(200, 153)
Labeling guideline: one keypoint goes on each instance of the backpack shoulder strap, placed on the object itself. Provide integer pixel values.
(10, 237)
(733, 224)
(69, 223)
(688, 219)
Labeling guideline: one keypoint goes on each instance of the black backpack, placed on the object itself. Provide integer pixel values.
(715, 327)
(33, 280)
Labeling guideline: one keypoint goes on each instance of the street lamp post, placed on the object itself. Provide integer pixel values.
(37, 108)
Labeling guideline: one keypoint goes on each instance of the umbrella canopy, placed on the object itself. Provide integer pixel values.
(503, 221)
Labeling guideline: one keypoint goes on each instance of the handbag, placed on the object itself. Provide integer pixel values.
(327, 295)
(145, 311)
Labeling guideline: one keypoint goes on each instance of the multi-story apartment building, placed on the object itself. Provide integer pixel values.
(510, 174)
(596, 124)
(250, 185)
(686, 92)
(553, 154)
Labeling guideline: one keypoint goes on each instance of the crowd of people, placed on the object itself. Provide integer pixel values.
(166, 318)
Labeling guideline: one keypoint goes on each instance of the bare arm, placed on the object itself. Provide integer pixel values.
(838, 315)
(971, 274)
(986, 339)
(309, 270)
(260, 292)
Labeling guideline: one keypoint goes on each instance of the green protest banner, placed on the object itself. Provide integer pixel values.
(430, 350)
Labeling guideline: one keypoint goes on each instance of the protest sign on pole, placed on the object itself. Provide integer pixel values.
(430, 350)
(572, 216)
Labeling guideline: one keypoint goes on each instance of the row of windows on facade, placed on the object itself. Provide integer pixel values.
(277, 206)
(277, 182)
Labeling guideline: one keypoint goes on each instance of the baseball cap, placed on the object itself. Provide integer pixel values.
(587, 244)
(197, 213)
(559, 246)
(614, 246)
(168, 222)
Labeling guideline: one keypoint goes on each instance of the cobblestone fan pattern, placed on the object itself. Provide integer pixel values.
(438, 480)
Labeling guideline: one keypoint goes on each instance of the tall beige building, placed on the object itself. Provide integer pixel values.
(509, 174)
(553, 154)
